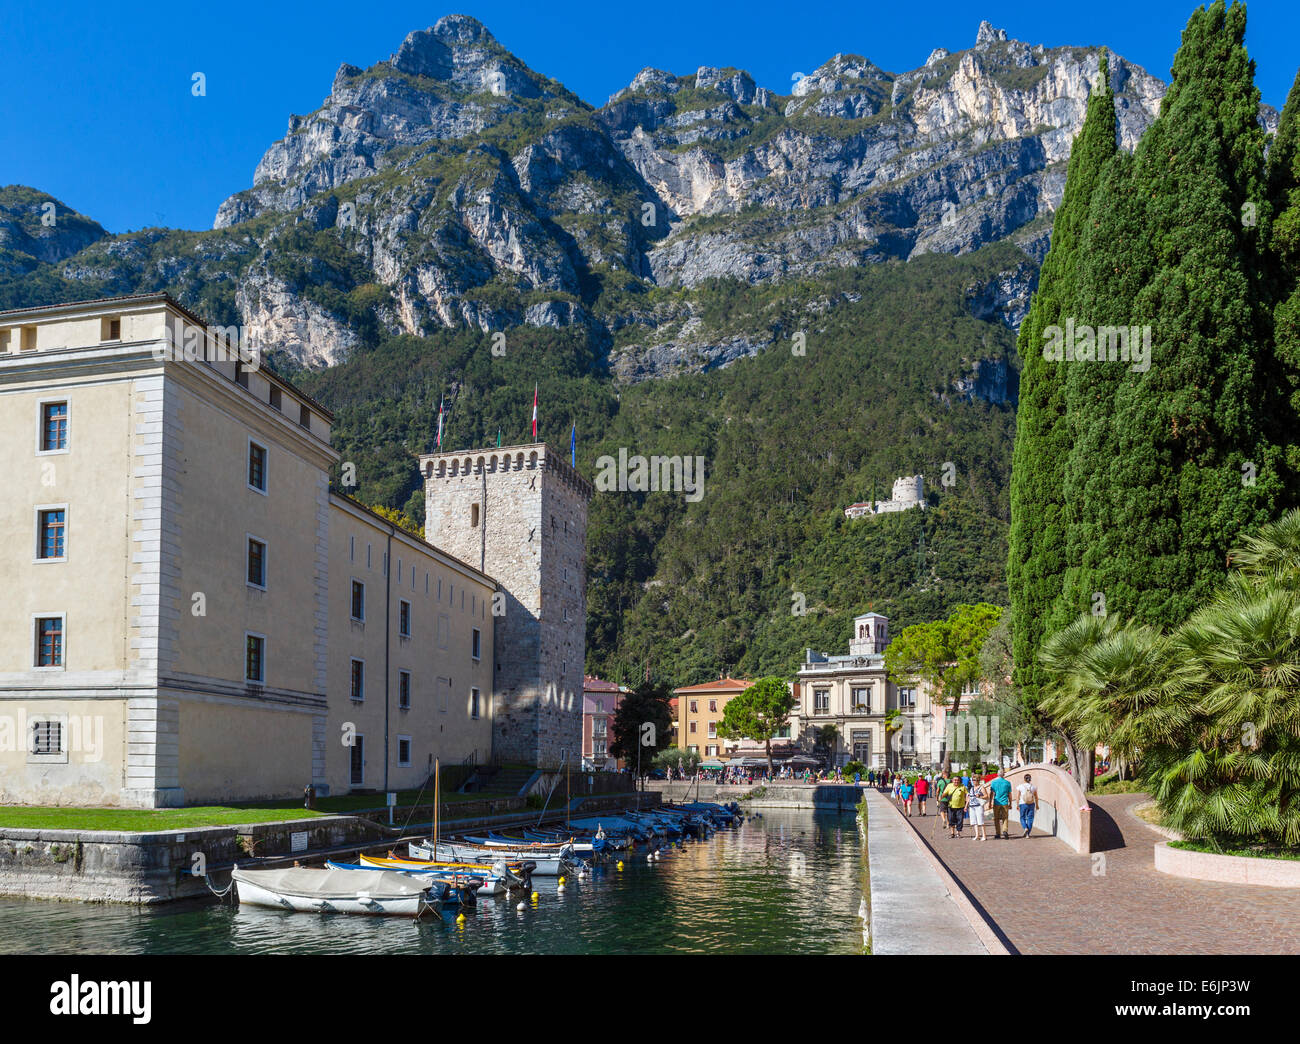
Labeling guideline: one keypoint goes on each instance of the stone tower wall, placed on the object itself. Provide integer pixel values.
(529, 534)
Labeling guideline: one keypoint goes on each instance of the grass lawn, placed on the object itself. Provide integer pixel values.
(142, 820)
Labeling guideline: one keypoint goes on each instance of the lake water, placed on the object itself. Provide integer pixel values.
(790, 881)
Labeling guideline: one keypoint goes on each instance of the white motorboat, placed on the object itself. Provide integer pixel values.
(313, 890)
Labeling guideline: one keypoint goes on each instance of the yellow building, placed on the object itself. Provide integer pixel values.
(699, 713)
(191, 614)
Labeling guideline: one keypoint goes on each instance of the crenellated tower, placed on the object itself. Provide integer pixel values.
(519, 513)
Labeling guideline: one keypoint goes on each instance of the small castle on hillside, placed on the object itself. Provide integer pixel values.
(908, 492)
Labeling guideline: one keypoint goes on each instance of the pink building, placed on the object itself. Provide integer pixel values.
(600, 700)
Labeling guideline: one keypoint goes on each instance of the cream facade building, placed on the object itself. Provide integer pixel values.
(853, 693)
(192, 615)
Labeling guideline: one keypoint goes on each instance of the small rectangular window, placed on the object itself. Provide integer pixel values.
(304, 417)
(473, 703)
(473, 516)
(404, 619)
(110, 329)
(477, 652)
(255, 659)
(256, 563)
(5, 337)
(241, 375)
(692, 728)
(54, 426)
(403, 750)
(358, 600)
(277, 398)
(28, 338)
(49, 641)
(47, 737)
(358, 680)
(51, 528)
(713, 706)
(404, 690)
(257, 466)
(444, 630)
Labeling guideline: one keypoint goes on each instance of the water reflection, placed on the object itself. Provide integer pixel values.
(788, 882)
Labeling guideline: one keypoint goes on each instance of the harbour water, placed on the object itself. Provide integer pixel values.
(788, 881)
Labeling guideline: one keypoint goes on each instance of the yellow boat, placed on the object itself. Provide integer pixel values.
(497, 879)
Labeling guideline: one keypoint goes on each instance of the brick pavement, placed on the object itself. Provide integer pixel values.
(1045, 898)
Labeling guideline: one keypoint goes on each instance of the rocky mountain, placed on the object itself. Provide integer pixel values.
(451, 186)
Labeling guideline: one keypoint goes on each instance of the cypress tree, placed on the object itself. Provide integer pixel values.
(1037, 542)
(1170, 470)
(1283, 256)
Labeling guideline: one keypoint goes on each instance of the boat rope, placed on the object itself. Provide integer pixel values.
(219, 893)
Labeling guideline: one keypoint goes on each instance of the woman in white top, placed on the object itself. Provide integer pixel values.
(975, 805)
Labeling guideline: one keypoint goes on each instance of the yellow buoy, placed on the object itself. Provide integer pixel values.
(561, 880)
(534, 897)
(620, 864)
(460, 919)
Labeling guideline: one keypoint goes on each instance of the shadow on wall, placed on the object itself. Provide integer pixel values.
(1063, 809)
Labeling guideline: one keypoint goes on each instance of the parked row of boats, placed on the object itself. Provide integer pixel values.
(437, 872)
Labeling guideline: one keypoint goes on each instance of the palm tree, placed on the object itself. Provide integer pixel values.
(1110, 685)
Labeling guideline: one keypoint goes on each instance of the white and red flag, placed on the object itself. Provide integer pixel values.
(440, 406)
(534, 413)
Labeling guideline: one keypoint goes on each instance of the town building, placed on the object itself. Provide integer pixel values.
(600, 700)
(700, 711)
(195, 616)
(852, 694)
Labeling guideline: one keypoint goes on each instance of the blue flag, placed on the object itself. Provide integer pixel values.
(573, 445)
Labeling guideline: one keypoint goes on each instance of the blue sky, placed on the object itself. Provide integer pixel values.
(96, 105)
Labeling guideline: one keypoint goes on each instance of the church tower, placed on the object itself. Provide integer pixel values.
(519, 513)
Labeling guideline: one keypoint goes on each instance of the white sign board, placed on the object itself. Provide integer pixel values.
(298, 841)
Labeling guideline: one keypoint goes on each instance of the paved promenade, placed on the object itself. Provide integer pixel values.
(1045, 898)
(912, 910)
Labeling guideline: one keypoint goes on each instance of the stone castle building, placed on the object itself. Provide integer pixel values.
(908, 493)
(519, 513)
(194, 616)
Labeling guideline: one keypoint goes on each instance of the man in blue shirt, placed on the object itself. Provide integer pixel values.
(1000, 788)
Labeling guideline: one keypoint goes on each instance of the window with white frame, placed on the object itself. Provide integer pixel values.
(256, 563)
(50, 640)
(256, 466)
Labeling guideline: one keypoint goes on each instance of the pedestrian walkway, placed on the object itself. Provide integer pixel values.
(912, 910)
(1045, 898)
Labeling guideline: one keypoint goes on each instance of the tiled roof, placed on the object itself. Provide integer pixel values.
(721, 685)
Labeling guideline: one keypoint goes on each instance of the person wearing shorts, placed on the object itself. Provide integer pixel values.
(922, 788)
(905, 792)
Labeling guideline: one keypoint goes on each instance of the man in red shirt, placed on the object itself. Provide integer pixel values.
(922, 788)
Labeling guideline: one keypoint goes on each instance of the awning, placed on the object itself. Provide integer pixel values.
(711, 764)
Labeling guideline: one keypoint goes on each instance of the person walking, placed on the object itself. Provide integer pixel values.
(905, 792)
(922, 789)
(957, 796)
(975, 809)
(1000, 796)
(1028, 796)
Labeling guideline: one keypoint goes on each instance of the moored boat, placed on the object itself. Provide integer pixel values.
(333, 890)
(549, 864)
